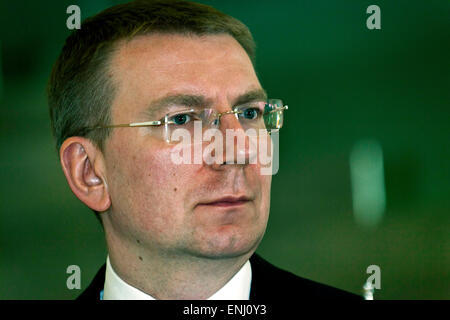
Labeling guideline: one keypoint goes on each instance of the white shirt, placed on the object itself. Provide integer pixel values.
(238, 288)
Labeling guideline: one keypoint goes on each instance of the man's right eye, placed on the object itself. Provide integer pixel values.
(181, 119)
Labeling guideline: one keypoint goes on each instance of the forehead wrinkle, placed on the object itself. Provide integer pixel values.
(161, 67)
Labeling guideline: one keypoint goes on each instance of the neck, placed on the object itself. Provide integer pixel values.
(174, 276)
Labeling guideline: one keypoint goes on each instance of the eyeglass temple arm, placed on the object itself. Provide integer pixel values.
(134, 124)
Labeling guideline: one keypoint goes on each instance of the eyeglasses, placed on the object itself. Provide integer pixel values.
(259, 115)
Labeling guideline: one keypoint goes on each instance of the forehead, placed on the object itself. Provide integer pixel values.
(150, 67)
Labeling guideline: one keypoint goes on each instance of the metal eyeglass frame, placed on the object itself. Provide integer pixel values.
(165, 121)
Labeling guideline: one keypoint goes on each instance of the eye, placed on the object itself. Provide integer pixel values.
(250, 113)
(181, 118)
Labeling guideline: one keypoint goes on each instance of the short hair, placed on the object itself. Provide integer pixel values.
(80, 92)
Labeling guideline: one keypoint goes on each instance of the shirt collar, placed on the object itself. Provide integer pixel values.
(238, 288)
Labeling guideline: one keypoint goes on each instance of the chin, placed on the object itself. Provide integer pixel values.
(227, 243)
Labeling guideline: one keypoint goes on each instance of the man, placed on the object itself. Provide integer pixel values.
(173, 230)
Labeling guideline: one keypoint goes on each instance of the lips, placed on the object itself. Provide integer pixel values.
(228, 201)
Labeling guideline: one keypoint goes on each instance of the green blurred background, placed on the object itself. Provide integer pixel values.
(343, 83)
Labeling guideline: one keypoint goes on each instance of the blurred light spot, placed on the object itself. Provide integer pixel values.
(367, 178)
(368, 291)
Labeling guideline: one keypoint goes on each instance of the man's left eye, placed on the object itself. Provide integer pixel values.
(250, 113)
(181, 118)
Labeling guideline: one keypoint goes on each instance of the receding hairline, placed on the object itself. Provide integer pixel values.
(81, 85)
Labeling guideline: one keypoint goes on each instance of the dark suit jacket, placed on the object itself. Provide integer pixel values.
(269, 283)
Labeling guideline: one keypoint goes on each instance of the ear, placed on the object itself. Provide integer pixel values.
(84, 168)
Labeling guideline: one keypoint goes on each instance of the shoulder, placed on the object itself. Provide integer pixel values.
(272, 283)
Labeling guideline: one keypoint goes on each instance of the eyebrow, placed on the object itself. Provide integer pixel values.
(250, 96)
(199, 101)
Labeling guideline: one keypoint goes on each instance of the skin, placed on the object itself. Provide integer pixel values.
(160, 238)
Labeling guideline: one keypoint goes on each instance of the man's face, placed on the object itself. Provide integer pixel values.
(160, 204)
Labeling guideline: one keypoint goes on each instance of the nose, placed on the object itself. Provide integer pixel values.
(237, 148)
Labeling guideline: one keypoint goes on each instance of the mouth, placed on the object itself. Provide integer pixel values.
(227, 202)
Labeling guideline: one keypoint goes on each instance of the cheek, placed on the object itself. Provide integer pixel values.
(148, 187)
(139, 163)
